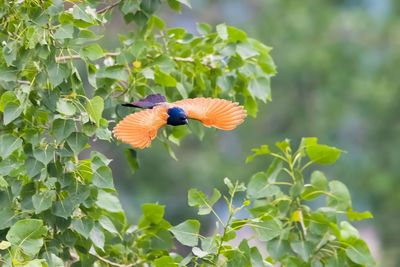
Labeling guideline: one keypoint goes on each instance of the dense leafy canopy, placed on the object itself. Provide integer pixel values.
(61, 90)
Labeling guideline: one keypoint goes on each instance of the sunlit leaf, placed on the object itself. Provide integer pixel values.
(187, 232)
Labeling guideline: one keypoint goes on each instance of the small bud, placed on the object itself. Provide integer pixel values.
(137, 64)
(109, 61)
(91, 11)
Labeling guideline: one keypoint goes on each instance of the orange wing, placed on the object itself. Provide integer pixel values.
(219, 113)
(140, 128)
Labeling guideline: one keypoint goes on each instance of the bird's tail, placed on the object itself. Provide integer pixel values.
(148, 102)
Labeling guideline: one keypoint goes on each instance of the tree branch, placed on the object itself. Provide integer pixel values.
(113, 263)
(24, 82)
(72, 57)
(104, 10)
(60, 59)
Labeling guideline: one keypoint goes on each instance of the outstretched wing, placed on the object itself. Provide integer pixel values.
(140, 128)
(219, 113)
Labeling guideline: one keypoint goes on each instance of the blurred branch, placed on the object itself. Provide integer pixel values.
(114, 54)
(24, 82)
(104, 10)
(113, 263)
(72, 57)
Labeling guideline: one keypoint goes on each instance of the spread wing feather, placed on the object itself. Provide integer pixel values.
(140, 128)
(219, 113)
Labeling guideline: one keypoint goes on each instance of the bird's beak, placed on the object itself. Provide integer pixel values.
(186, 121)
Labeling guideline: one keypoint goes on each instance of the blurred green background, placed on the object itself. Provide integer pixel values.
(338, 79)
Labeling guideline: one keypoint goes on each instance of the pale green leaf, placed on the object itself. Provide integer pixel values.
(187, 232)
(9, 144)
(95, 107)
(92, 51)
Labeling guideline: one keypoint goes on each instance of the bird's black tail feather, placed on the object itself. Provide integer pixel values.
(148, 102)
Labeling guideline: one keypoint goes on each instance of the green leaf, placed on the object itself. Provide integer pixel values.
(165, 261)
(63, 208)
(259, 187)
(348, 232)
(259, 87)
(11, 112)
(98, 238)
(57, 73)
(8, 97)
(359, 253)
(174, 5)
(185, 2)
(35, 263)
(53, 260)
(27, 235)
(33, 167)
(108, 225)
(95, 107)
(182, 91)
(267, 229)
(278, 248)
(8, 75)
(203, 28)
(7, 217)
(164, 78)
(263, 150)
(108, 202)
(92, 51)
(3, 182)
(321, 154)
(235, 35)
(102, 178)
(44, 155)
(65, 31)
(246, 50)
(222, 31)
(62, 129)
(358, 216)
(153, 213)
(198, 199)
(9, 144)
(319, 181)
(103, 133)
(82, 18)
(77, 142)
(302, 248)
(339, 196)
(130, 6)
(43, 201)
(187, 232)
(116, 72)
(65, 107)
(131, 156)
(197, 128)
(83, 226)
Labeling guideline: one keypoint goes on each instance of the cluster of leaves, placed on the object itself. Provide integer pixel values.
(59, 205)
(281, 216)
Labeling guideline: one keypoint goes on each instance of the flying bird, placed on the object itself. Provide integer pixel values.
(140, 128)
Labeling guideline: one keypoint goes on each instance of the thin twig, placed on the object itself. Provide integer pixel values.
(113, 263)
(24, 82)
(72, 57)
(104, 10)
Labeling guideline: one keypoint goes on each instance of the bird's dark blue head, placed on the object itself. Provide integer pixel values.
(177, 116)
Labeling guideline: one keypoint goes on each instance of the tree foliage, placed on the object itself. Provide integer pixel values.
(61, 90)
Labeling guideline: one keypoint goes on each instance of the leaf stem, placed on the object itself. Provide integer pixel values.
(114, 263)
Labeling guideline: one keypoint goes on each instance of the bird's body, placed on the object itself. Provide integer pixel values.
(140, 128)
